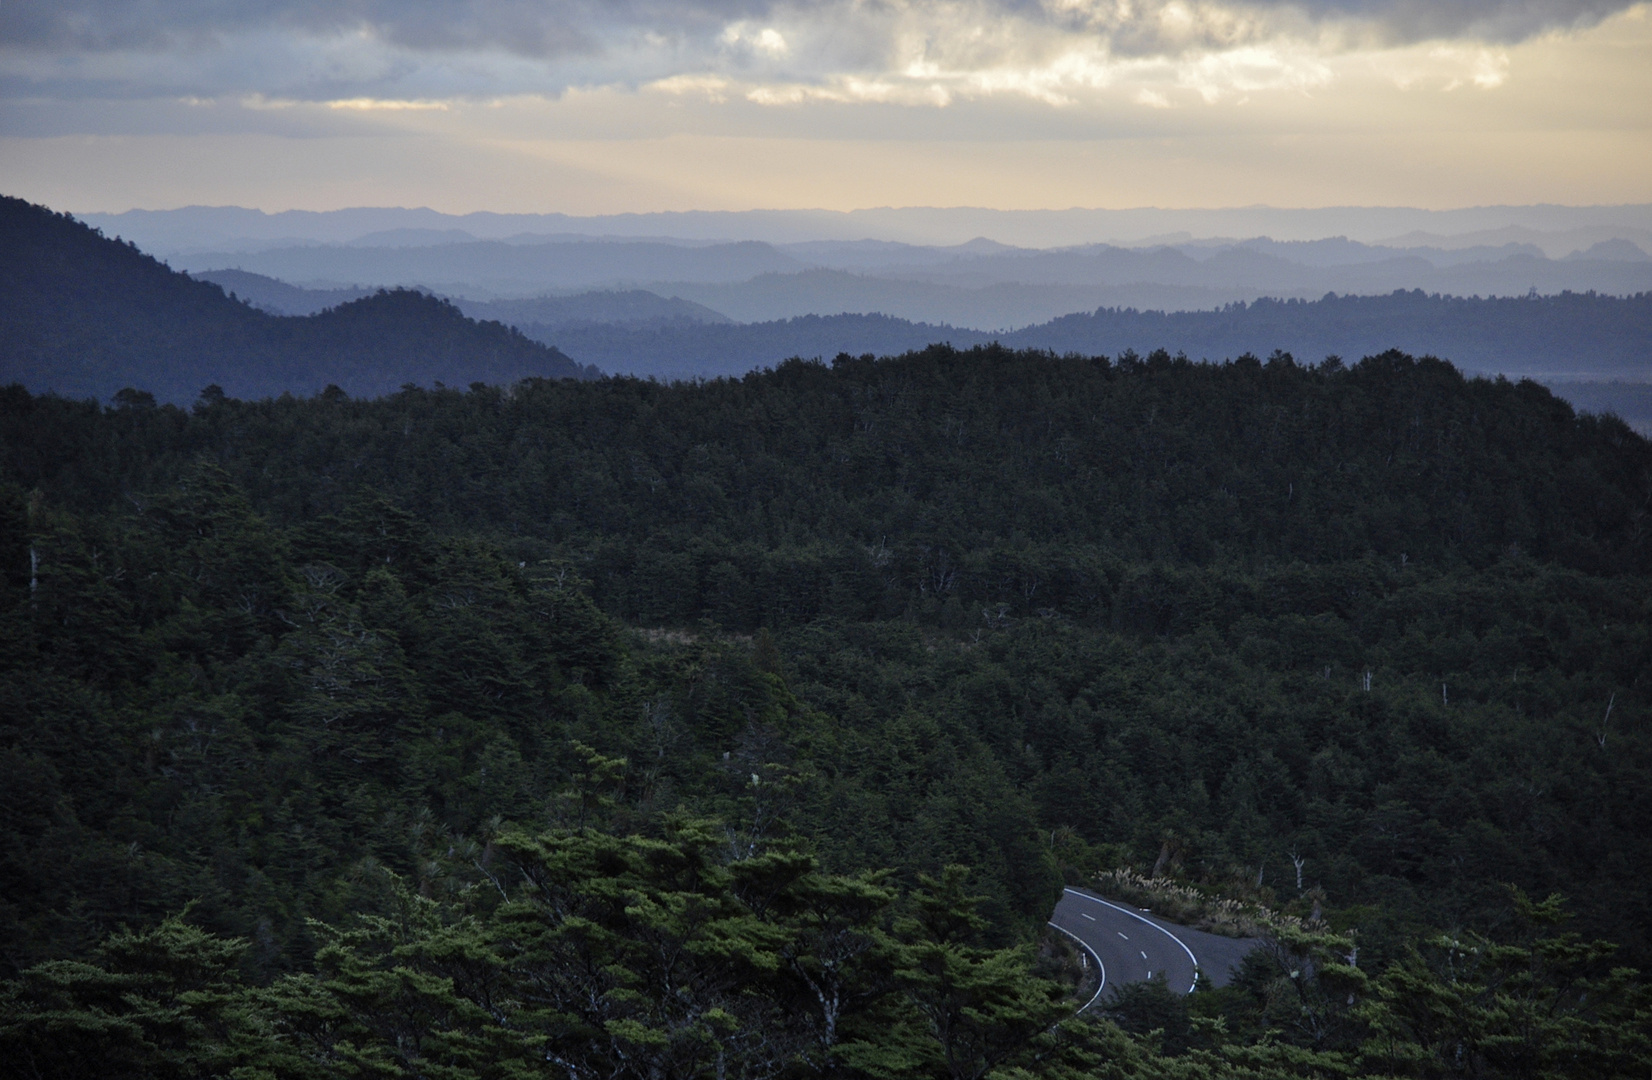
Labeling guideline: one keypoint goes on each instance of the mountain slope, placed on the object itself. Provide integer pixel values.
(277, 297)
(84, 315)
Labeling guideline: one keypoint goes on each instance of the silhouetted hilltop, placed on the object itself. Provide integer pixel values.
(672, 351)
(85, 315)
(1594, 350)
(278, 297)
(1570, 335)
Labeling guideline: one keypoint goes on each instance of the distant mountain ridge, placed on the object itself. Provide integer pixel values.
(203, 227)
(496, 269)
(630, 307)
(1591, 349)
(277, 297)
(1572, 336)
(610, 307)
(980, 285)
(85, 316)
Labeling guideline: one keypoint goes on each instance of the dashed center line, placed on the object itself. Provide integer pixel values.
(1092, 918)
(1088, 898)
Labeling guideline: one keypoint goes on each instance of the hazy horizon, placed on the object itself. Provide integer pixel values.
(1564, 227)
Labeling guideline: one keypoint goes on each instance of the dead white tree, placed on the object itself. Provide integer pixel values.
(1298, 861)
(1600, 736)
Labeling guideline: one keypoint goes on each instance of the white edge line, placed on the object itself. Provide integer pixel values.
(1101, 967)
(1149, 922)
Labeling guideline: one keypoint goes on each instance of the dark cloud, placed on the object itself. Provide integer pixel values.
(530, 27)
(553, 28)
(1495, 20)
(1222, 23)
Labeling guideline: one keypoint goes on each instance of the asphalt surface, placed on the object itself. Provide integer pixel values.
(1131, 944)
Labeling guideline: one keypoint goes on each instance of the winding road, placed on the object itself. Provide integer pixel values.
(1131, 944)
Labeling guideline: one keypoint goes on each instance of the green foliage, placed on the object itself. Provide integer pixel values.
(1543, 1004)
(980, 1005)
(650, 723)
(164, 1003)
(612, 957)
(641, 957)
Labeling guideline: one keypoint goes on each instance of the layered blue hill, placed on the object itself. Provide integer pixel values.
(86, 316)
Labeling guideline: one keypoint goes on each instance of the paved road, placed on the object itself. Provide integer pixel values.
(1131, 945)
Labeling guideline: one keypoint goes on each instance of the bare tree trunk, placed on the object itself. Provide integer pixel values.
(1163, 859)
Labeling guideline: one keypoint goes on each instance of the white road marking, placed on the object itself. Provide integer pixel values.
(1122, 934)
(1092, 918)
(1144, 954)
(1101, 967)
(1149, 922)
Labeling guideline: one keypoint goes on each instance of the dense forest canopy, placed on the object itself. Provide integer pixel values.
(787, 651)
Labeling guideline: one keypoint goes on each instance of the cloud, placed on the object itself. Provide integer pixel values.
(775, 52)
(1498, 21)
(554, 28)
(542, 28)
(1171, 27)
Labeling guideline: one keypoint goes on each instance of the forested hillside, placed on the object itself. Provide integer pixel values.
(86, 316)
(627, 729)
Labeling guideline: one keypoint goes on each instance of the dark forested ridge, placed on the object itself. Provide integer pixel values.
(681, 351)
(1564, 338)
(1594, 350)
(1569, 335)
(749, 727)
(83, 315)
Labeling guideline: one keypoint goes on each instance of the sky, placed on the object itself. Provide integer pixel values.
(614, 106)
